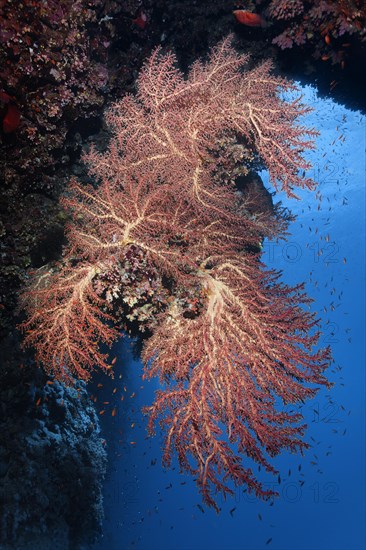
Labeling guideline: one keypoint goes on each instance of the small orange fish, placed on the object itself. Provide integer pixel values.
(114, 412)
(38, 402)
(101, 413)
(327, 39)
(249, 18)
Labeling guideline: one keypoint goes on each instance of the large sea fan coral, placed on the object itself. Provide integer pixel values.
(248, 340)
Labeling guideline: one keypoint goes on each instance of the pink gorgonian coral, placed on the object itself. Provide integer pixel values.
(229, 338)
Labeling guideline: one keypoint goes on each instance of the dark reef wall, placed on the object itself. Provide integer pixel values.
(52, 460)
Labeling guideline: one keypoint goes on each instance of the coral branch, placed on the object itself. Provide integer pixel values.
(250, 345)
(66, 321)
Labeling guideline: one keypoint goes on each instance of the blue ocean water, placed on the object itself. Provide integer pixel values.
(322, 494)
